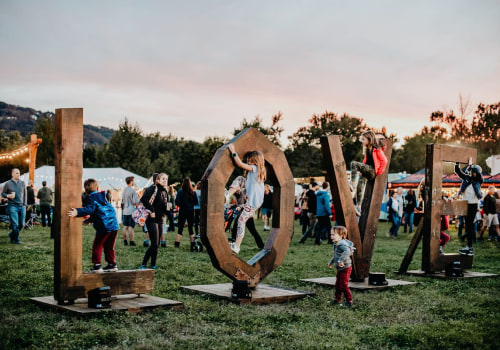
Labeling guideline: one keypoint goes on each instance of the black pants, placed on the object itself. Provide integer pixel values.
(155, 231)
(323, 228)
(183, 216)
(45, 213)
(250, 225)
(197, 221)
(170, 217)
(304, 221)
(469, 223)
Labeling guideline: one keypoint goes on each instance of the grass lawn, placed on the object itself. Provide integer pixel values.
(437, 314)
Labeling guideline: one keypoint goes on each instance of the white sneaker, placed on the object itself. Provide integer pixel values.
(234, 248)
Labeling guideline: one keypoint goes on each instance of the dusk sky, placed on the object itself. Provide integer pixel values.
(197, 68)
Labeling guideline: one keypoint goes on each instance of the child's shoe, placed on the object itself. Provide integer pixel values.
(334, 302)
(441, 250)
(125, 242)
(132, 244)
(97, 268)
(177, 244)
(348, 304)
(146, 243)
(234, 248)
(143, 267)
(110, 268)
(154, 267)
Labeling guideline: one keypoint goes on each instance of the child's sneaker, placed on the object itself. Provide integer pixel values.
(163, 244)
(334, 302)
(111, 268)
(132, 243)
(146, 243)
(97, 268)
(234, 248)
(143, 267)
(125, 242)
(348, 304)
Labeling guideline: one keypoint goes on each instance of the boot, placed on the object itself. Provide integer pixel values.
(177, 244)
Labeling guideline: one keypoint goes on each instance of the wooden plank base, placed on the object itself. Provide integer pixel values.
(129, 302)
(262, 294)
(467, 274)
(330, 282)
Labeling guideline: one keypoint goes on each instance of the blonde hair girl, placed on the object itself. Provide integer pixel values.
(255, 172)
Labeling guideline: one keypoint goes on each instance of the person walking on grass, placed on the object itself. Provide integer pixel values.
(323, 213)
(197, 208)
(103, 217)
(490, 214)
(343, 249)
(130, 201)
(267, 207)
(171, 208)
(410, 203)
(45, 197)
(186, 200)
(311, 210)
(255, 170)
(15, 192)
(155, 201)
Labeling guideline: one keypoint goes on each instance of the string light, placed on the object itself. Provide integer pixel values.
(15, 153)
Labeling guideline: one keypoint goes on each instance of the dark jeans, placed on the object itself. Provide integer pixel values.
(342, 285)
(304, 221)
(45, 213)
(323, 228)
(155, 231)
(408, 221)
(183, 216)
(396, 223)
(469, 223)
(170, 217)
(17, 213)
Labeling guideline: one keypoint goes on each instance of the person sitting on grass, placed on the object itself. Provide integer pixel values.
(342, 252)
(103, 217)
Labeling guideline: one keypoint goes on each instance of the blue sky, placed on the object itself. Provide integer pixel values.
(196, 68)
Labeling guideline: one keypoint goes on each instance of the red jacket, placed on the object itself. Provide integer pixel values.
(379, 159)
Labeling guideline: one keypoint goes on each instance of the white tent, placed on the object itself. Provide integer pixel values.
(108, 178)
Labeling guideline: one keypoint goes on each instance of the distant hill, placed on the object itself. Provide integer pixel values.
(23, 119)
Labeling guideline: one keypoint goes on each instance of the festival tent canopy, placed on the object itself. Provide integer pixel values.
(411, 181)
(108, 178)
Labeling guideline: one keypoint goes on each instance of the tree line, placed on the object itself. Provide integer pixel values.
(132, 149)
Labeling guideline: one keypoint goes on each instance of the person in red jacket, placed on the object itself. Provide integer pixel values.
(373, 164)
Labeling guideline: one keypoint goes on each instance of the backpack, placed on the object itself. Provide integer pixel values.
(107, 214)
(140, 213)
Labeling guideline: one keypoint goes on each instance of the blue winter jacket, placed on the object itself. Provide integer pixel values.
(469, 180)
(342, 252)
(102, 213)
(323, 203)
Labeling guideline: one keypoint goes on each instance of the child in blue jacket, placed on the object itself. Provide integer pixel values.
(103, 217)
(343, 249)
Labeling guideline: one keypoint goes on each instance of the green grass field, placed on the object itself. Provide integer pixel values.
(434, 314)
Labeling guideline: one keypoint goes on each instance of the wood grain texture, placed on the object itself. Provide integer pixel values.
(212, 232)
(362, 234)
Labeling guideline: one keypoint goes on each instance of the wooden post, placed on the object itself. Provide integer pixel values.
(70, 282)
(362, 234)
(68, 190)
(32, 149)
(434, 207)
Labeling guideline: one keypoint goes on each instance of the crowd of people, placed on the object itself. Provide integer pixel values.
(246, 196)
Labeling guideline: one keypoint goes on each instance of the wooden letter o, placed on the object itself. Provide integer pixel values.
(212, 209)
